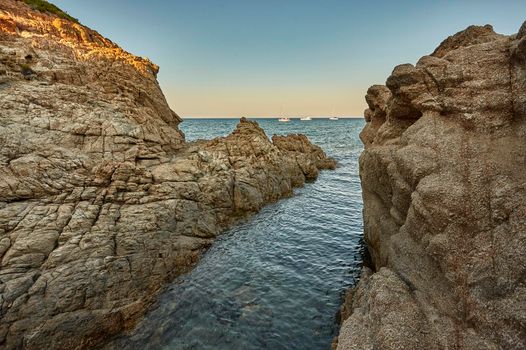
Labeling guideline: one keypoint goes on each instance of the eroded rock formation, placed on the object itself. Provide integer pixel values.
(101, 200)
(444, 187)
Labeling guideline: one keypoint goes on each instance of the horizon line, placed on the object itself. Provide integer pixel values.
(267, 117)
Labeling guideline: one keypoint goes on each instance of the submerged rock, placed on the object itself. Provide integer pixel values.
(444, 187)
(101, 199)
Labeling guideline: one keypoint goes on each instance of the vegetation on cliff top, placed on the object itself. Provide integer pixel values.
(44, 6)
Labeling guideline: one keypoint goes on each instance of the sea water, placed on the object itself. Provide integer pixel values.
(276, 280)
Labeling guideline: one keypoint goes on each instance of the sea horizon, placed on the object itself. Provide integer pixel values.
(268, 117)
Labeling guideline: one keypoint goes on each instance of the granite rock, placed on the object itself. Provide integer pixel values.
(444, 186)
(102, 202)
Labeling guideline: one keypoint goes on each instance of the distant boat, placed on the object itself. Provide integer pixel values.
(332, 114)
(305, 118)
(284, 119)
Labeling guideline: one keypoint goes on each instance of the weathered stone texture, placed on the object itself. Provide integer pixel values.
(444, 187)
(101, 199)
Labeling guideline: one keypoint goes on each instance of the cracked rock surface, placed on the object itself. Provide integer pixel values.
(102, 202)
(444, 187)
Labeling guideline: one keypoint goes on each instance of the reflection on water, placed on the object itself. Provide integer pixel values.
(276, 280)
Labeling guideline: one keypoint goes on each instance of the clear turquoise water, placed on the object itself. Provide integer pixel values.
(276, 280)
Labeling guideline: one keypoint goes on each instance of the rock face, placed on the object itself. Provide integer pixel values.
(101, 199)
(444, 187)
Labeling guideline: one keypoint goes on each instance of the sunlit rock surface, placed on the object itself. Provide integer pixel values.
(444, 187)
(101, 200)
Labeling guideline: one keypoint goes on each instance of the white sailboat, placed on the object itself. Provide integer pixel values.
(333, 117)
(283, 119)
(305, 118)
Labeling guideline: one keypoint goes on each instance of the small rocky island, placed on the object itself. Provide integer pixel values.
(444, 186)
(102, 202)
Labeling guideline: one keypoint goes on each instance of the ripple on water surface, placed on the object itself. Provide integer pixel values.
(274, 281)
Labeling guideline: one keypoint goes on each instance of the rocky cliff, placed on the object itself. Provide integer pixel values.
(101, 199)
(444, 187)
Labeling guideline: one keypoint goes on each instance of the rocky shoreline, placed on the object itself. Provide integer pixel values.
(444, 188)
(102, 202)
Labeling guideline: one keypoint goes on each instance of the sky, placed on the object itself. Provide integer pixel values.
(231, 58)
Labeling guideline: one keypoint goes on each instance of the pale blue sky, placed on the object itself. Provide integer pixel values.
(249, 57)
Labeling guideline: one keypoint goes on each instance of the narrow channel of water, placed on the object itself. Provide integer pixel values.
(276, 280)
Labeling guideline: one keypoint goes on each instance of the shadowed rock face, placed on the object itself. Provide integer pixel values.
(444, 187)
(101, 200)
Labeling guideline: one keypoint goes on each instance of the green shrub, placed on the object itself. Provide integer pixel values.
(44, 6)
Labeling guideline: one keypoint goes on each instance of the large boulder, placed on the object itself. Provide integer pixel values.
(444, 186)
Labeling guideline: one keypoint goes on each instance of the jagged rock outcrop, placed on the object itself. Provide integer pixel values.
(101, 200)
(444, 187)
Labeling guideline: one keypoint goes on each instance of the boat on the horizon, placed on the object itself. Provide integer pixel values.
(305, 118)
(284, 119)
(332, 115)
